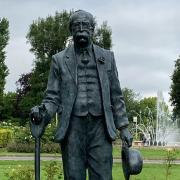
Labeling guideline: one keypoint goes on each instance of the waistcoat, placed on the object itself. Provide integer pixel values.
(88, 99)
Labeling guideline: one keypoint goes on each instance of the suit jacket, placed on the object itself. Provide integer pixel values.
(62, 89)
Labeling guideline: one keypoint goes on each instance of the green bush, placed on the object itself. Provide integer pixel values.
(5, 136)
(50, 148)
(22, 140)
(170, 158)
(23, 134)
(20, 173)
(19, 134)
(53, 171)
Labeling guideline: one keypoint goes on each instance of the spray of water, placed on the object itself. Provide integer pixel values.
(166, 129)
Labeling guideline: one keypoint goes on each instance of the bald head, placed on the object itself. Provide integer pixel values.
(81, 14)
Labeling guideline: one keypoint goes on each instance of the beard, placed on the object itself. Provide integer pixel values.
(82, 39)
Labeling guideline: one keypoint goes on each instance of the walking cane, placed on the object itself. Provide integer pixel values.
(37, 158)
(37, 128)
(37, 131)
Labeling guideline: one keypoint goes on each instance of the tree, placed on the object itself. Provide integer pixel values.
(102, 36)
(148, 110)
(21, 103)
(9, 100)
(4, 37)
(47, 37)
(175, 89)
(131, 100)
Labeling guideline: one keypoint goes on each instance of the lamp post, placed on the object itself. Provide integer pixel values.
(135, 121)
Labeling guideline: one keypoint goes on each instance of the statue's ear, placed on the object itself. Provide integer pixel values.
(92, 32)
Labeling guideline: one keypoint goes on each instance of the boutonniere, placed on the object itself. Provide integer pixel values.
(101, 60)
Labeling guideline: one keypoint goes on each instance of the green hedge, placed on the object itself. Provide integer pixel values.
(5, 136)
(29, 147)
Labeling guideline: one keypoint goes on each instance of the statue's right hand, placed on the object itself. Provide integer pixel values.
(35, 115)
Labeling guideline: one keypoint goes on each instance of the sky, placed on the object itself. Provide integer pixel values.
(145, 36)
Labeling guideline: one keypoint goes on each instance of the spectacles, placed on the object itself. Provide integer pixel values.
(81, 26)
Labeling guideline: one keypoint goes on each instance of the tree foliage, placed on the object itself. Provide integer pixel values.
(102, 36)
(48, 36)
(175, 89)
(23, 88)
(131, 100)
(8, 105)
(142, 108)
(148, 109)
(4, 37)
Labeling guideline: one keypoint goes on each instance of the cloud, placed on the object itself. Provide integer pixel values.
(19, 61)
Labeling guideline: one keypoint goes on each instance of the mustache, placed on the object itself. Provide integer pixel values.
(82, 34)
(81, 37)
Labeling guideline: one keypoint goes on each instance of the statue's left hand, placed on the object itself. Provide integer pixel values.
(39, 118)
(126, 136)
(36, 115)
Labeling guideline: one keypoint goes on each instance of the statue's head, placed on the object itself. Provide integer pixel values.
(82, 26)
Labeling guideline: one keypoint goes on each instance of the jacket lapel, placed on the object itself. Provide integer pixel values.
(100, 61)
(70, 59)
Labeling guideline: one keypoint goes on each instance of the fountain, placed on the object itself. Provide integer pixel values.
(148, 130)
(166, 129)
(160, 132)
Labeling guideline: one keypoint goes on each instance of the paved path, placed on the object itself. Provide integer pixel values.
(25, 158)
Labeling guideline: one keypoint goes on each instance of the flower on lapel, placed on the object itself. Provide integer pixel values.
(101, 60)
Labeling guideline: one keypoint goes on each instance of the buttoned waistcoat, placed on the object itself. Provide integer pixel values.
(62, 90)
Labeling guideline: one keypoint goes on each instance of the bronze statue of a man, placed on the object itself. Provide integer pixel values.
(83, 88)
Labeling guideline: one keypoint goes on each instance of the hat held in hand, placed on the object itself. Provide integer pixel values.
(132, 161)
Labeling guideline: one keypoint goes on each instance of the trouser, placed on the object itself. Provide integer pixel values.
(87, 146)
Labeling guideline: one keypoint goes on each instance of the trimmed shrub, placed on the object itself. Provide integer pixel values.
(29, 147)
(20, 147)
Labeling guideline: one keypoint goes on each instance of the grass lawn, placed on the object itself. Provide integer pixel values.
(147, 152)
(4, 152)
(6, 166)
(150, 172)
